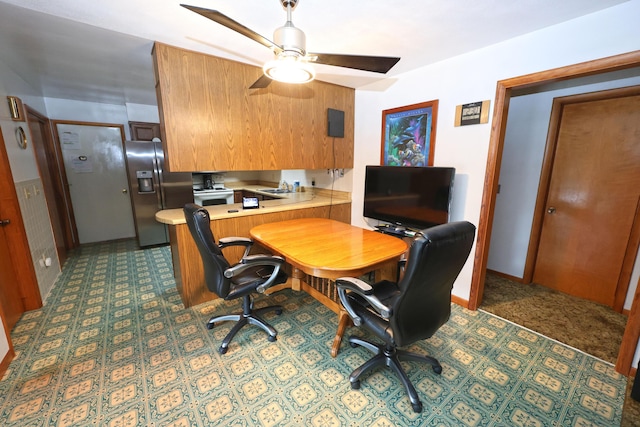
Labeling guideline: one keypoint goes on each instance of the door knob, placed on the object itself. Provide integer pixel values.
(124, 190)
(5, 222)
(551, 210)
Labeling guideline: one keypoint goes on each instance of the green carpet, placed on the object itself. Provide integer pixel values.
(114, 346)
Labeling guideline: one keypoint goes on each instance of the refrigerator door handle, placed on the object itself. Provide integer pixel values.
(158, 166)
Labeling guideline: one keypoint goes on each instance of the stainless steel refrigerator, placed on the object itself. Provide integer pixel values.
(153, 189)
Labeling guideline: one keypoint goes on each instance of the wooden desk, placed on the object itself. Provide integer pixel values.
(328, 249)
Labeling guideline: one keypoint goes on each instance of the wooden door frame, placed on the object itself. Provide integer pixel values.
(53, 165)
(631, 249)
(494, 158)
(11, 354)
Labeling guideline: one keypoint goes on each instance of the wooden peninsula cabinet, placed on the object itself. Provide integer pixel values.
(211, 120)
(187, 264)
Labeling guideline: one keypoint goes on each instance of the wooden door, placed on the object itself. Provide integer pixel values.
(18, 285)
(143, 131)
(592, 199)
(50, 176)
(10, 299)
(94, 163)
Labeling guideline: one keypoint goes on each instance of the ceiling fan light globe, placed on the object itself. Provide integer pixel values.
(289, 70)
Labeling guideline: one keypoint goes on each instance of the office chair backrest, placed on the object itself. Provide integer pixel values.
(435, 259)
(213, 260)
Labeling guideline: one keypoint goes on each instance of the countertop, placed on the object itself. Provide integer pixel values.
(281, 202)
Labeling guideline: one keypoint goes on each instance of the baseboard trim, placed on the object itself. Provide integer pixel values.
(506, 276)
(4, 365)
(460, 301)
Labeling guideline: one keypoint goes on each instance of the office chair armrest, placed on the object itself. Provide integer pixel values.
(266, 285)
(265, 259)
(236, 241)
(363, 289)
(251, 261)
(356, 285)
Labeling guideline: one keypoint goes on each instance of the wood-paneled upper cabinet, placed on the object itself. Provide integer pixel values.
(143, 131)
(211, 120)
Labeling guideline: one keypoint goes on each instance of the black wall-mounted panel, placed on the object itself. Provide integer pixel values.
(335, 123)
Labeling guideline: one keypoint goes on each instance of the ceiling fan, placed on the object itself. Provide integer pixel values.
(292, 62)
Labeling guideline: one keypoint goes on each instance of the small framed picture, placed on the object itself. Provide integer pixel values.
(409, 135)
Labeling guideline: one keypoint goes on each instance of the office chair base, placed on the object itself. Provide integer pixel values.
(242, 319)
(391, 357)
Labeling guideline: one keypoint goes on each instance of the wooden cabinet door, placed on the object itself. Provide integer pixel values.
(19, 290)
(142, 131)
(10, 299)
(211, 120)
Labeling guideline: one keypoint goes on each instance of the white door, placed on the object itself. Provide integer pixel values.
(96, 172)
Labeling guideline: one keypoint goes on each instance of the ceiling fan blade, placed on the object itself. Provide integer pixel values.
(377, 64)
(261, 83)
(221, 19)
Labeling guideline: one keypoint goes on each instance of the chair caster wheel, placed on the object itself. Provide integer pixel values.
(437, 369)
(223, 350)
(417, 407)
(272, 338)
(210, 325)
(278, 312)
(355, 385)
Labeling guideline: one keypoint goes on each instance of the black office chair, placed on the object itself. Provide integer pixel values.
(412, 309)
(254, 273)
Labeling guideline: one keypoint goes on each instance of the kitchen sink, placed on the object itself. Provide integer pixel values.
(274, 190)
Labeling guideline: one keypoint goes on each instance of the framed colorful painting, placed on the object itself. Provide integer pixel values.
(409, 135)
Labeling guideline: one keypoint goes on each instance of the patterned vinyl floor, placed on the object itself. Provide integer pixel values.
(114, 346)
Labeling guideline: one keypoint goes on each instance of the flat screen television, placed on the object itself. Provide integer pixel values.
(411, 197)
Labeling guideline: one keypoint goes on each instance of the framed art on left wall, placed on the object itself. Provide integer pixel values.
(409, 135)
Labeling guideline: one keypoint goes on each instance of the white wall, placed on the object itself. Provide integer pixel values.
(26, 179)
(23, 164)
(4, 342)
(323, 178)
(142, 113)
(67, 109)
(472, 77)
(82, 111)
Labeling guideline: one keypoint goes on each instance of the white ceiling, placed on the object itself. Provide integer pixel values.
(100, 50)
